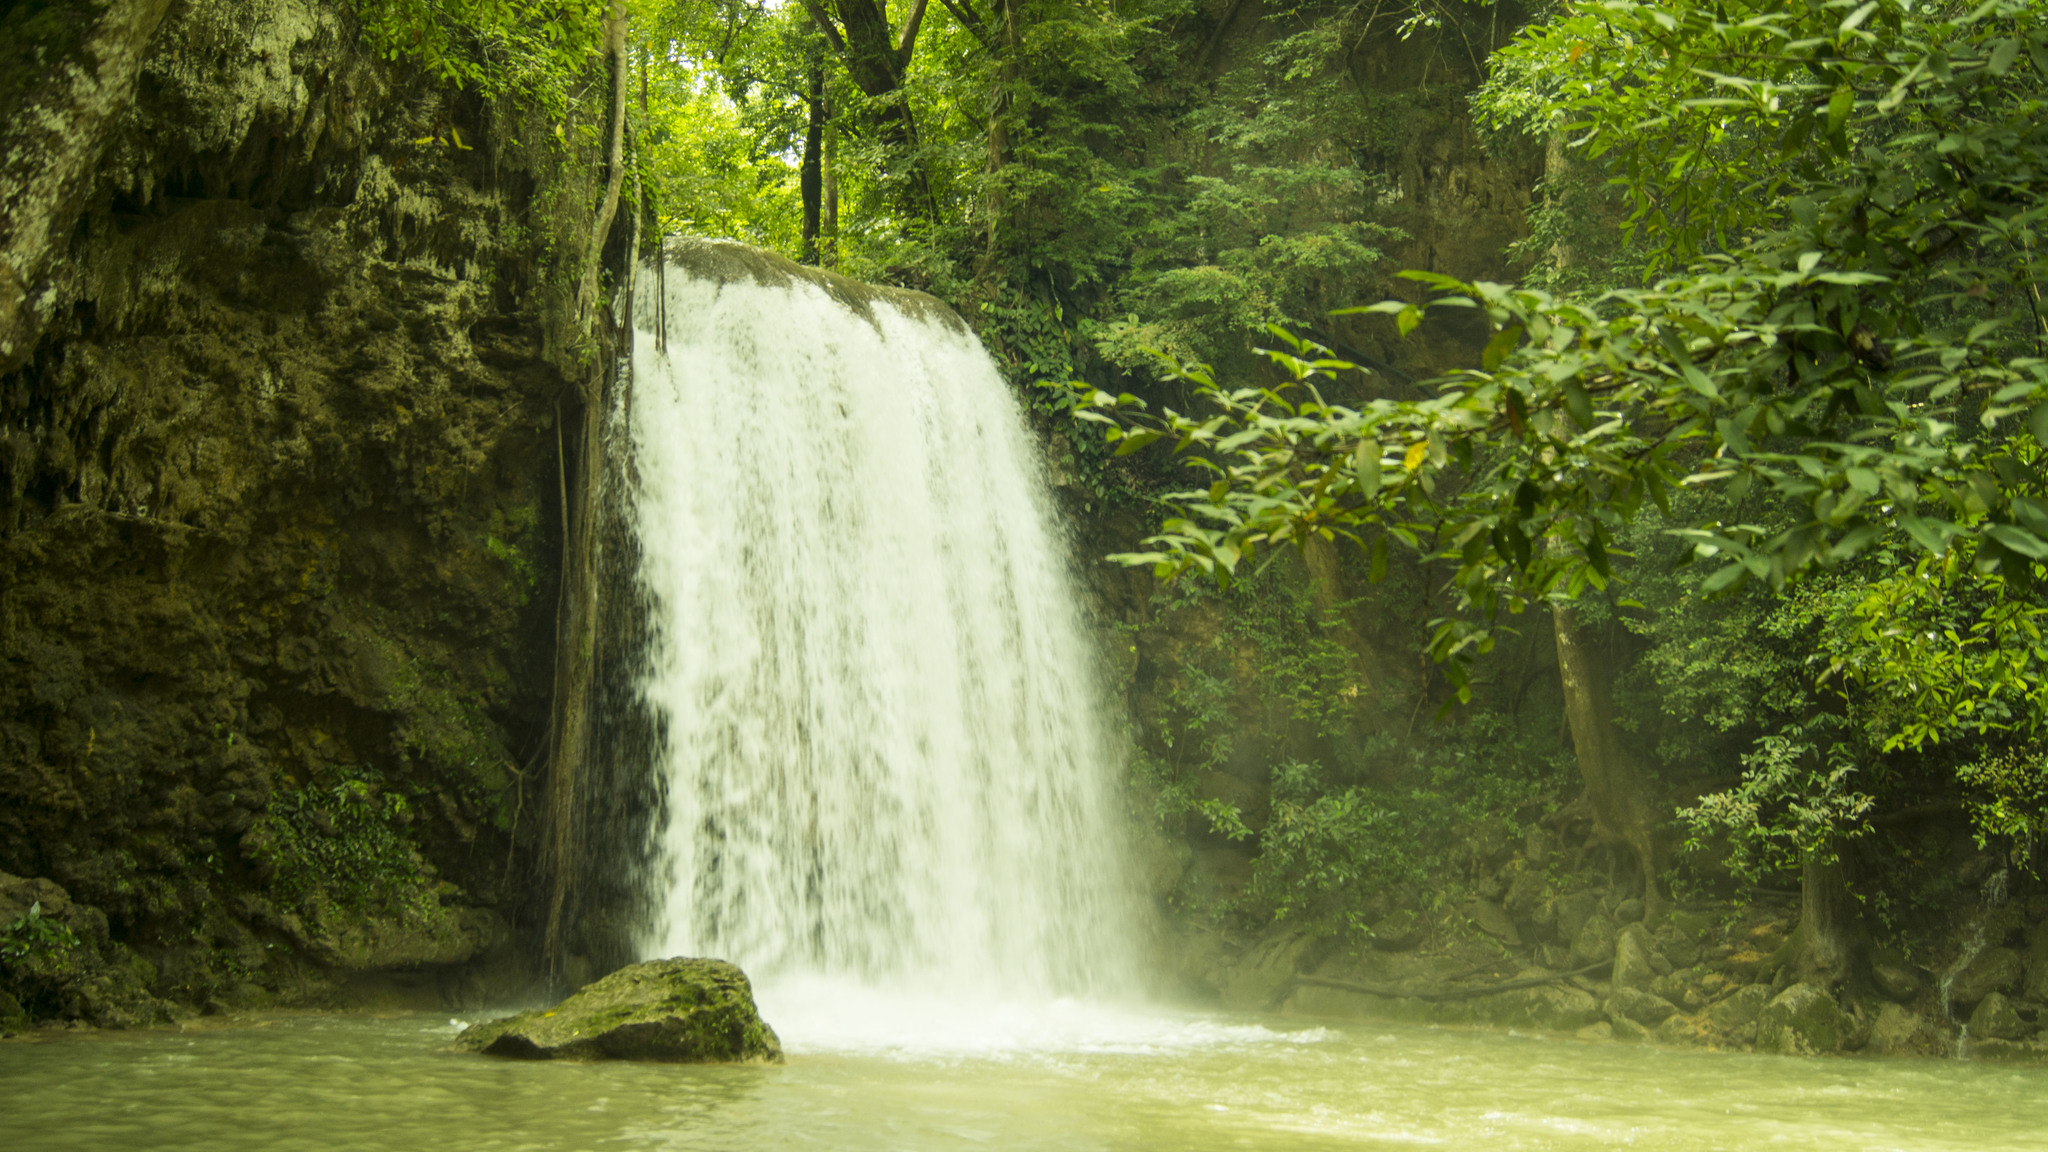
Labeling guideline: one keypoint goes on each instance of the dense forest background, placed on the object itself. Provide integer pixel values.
(1114, 192)
(1696, 575)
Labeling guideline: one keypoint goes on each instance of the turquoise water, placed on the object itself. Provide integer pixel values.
(354, 1082)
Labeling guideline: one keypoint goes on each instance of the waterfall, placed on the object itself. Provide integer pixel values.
(885, 762)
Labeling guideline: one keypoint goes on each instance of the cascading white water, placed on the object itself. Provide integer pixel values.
(885, 763)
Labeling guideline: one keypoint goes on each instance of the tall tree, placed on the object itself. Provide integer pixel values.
(811, 177)
(877, 55)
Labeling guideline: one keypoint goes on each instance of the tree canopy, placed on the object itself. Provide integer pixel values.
(1846, 321)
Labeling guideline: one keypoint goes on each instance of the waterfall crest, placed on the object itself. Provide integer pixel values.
(884, 758)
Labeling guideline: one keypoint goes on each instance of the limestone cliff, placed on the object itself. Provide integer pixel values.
(288, 334)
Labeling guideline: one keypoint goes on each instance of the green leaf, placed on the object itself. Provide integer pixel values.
(1724, 578)
(1408, 319)
(1578, 403)
(2019, 540)
(1733, 435)
(1497, 349)
(2038, 421)
(1137, 439)
(2031, 513)
(1366, 462)
(1839, 106)
(2002, 56)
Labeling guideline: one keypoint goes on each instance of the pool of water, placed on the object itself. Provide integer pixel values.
(1070, 1079)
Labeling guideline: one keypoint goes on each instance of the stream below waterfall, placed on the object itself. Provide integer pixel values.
(1068, 1079)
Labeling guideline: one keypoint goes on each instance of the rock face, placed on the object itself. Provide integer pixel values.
(1894, 977)
(1556, 1007)
(1994, 970)
(279, 493)
(56, 961)
(1740, 1009)
(2036, 986)
(679, 1011)
(1573, 910)
(1642, 1007)
(1803, 1020)
(1995, 1019)
(1398, 931)
(1267, 971)
(1899, 1031)
(1594, 942)
(1632, 958)
(1493, 920)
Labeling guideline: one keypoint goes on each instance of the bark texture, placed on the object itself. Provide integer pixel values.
(1614, 782)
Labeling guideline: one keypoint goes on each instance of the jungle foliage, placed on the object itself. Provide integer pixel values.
(1830, 381)
(1763, 405)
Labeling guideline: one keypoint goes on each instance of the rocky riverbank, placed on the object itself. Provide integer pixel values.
(1587, 963)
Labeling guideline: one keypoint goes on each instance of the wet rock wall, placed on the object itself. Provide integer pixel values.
(280, 510)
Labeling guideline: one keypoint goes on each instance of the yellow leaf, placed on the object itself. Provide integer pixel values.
(1416, 452)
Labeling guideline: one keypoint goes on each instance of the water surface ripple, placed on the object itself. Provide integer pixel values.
(348, 1083)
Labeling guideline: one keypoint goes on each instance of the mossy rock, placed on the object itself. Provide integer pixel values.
(1994, 970)
(680, 1011)
(1803, 1020)
(1642, 1007)
(1555, 1007)
(1741, 1008)
(1996, 1019)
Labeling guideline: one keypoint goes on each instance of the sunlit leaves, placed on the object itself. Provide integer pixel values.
(534, 48)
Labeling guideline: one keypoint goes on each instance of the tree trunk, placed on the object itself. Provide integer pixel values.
(576, 618)
(1615, 789)
(615, 180)
(1830, 932)
(878, 59)
(1000, 101)
(829, 175)
(811, 178)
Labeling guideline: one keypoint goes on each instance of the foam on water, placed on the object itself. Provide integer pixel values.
(816, 1014)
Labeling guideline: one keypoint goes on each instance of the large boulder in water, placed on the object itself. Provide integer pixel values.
(680, 1011)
